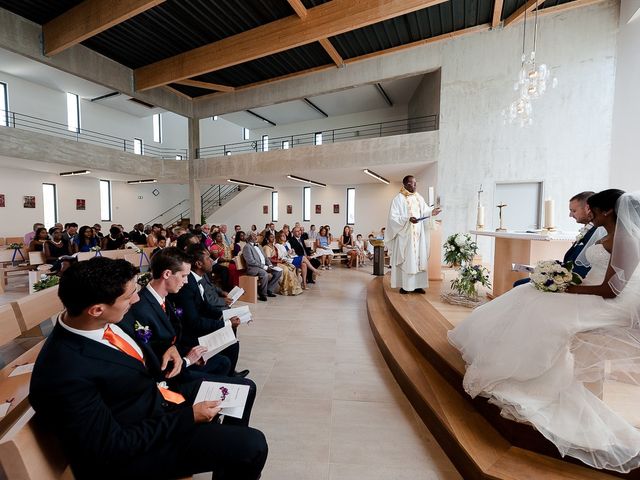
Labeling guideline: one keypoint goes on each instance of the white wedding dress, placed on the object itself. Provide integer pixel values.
(543, 358)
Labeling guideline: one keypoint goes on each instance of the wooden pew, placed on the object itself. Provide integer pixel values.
(6, 264)
(32, 310)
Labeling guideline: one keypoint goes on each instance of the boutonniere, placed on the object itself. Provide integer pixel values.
(178, 311)
(143, 332)
(583, 231)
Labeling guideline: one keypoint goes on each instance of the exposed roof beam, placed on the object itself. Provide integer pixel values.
(88, 19)
(315, 107)
(206, 85)
(326, 20)
(333, 53)
(177, 92)
(299, 8)
(497, 13)
(384, 94)
(519, 13)
(266, 120)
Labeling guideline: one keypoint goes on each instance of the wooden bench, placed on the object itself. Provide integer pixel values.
(8, 264)
(250, 286)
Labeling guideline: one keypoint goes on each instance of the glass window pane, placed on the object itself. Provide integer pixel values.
(274, 206)
(306, 200)
(285, 144)
(4, 105)
(265, 143)
(318, 138)
(137, 146)
(105, 200)
(73, 113)
(245, 133)
(157, 128)
(351, 206)
(49, 204)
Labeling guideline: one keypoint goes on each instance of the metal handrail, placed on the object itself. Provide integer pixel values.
(371, 130)
(22, 121)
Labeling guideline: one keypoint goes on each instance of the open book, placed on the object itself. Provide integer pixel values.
(233, 397)
(243, 312)
(235, 294)
(217, 341)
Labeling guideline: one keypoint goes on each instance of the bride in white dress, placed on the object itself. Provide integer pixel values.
(545, 358)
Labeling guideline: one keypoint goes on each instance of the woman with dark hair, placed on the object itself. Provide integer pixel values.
(239, 242)
(85, 240)
(39, 239)
(558, 361)
(115, 240)
(290, 285)
(347, 246)
(225, 267)
(323, 249)
(56, 246)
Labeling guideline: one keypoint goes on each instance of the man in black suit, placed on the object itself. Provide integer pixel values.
(297, 243)
(198, 316)
(92, 388)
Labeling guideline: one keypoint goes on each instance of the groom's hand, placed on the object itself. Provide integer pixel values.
(413, 220)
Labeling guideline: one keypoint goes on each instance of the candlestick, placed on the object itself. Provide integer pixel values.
(549, 210)
(480, 218)
(432, 196)
(501, 227)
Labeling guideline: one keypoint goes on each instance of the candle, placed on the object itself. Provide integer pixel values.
(432, 196)
(548, 214)
(480, 219)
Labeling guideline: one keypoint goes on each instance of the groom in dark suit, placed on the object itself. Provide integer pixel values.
(92, 388)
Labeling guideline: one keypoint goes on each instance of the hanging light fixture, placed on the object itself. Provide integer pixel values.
(532, 80)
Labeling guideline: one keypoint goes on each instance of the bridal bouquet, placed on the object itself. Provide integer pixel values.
(554, 276)
(459, 249)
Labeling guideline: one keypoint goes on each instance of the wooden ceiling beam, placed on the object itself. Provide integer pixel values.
(87, 19)
(333, 53)
(326, 20)
(528, 6)
(497, 13)
(299, 8)
(206, 85)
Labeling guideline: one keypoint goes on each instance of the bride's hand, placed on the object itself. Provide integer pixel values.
(572, 289)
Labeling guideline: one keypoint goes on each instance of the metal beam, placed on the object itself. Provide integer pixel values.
(261, 118)
(384, 94)
(315, 107)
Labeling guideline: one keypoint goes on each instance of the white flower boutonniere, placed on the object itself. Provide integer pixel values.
(583, 231)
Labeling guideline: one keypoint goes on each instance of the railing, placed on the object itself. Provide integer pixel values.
(372, 130)
(49, 127)
(213, 197)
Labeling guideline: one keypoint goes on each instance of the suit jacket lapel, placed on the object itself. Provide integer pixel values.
(145, 295)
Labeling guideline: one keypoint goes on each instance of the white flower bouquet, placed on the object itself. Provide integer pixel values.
(459, 249)
(554, 276)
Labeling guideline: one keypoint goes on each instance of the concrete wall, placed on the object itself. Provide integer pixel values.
(625, 167)
(426, 99)
(127, 207)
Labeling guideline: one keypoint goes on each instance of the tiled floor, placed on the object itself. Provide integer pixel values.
(327, 403)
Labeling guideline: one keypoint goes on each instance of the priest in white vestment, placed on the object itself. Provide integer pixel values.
(407, 238)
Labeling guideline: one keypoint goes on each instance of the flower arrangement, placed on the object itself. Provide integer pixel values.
(46, 281)
(459, 249)
(554, 276)
(143, 332)
(15, 246)
(95, 248)
(468, 279)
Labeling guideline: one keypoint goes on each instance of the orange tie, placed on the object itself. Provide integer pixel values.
(124, 346)
(164, 307)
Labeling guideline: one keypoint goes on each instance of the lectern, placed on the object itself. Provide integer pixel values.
(378, 257)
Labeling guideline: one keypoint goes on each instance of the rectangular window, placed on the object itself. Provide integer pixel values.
(138, 147)
(4, 105)
(215, 117)
(285, 144)
(317, 139)
(245, 133)
(274, 206)
(157, 128)
(50, 204)
(105, 200)
(227, 153)
(178, 157)
(351, 206)
(306, 204)
(73, 112)
(265, 143)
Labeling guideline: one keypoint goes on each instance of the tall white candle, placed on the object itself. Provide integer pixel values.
(549, 213)
(480, 219)
(432, 196)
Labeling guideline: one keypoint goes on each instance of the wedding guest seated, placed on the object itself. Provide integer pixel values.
(298, 256)
(259, 266)
(115, 240)
(360, 247)
(313, 233)
(289, 284)
(29, 236)
(152, 236)
(198, 316)
(39, 240)
(84, 241)
(186, 239)
(97, 230)
(95, 389)
(346, 246)
(162, 244)
(70, 232)
(370, 247)
(55, 247)
(226, 239)
(239, 243)
(137, 235)
(254, 229)
(225, 266)
(323, 249)
(236, 228)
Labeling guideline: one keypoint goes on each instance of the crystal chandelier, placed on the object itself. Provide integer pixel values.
(532, 81)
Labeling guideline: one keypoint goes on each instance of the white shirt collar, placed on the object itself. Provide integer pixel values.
(155, 294)
(196, 276)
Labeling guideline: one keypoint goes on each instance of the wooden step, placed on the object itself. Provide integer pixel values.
(474, 445)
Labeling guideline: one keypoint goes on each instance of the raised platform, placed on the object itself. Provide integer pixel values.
(411, 333)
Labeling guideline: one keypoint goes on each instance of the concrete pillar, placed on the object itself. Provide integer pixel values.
(195, 203)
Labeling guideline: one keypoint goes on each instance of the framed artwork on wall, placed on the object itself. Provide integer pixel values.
(29, 201)
(265, 209)
(318, 209)
(336, 208)
(81, 204)
(2, 200)
(289, 209)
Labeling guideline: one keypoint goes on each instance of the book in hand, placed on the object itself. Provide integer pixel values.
(232, 397)
(217, 341)
(519, 267)
(235, 294)
(242, 312)
(275, 269)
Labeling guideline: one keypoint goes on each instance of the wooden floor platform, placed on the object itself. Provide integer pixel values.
(411, 333)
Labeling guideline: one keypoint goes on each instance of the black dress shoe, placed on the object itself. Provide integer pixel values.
(310, 281)
(241, 373)
(262, 298)
(403, 291)
(419, 290)
(269, 294)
